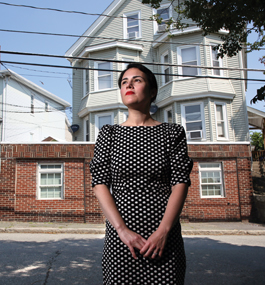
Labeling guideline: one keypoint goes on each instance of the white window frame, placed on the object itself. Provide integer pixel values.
(164, 6)
(125, 116)
(226, 137)
(125, 26)
(164, 68)
(220, 61)
(125, 64)
(183, 119)
(97, 116)
(218, 169)
(53, 170)
(87, 131)
(86, 82)
(166, 114)
(96, 76)
(179, 57)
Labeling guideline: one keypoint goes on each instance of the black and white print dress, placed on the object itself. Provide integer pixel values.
(140, 164)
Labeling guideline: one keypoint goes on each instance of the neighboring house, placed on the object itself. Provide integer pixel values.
(29, 113)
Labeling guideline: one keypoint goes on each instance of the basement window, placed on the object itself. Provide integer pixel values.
(50, 181)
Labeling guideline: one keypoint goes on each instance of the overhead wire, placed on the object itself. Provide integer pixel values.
(114, 70)
(109, 38)
(124, 61)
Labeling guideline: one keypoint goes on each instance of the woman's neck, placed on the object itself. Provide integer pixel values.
(137, 118)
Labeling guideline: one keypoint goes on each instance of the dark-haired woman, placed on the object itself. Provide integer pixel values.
(146, 164)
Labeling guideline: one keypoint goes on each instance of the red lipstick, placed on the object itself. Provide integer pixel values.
(129, 93)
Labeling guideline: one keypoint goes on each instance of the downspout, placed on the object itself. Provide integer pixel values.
(84, 171)
(4, 96)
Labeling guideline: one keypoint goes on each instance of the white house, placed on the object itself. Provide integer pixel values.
(29, 113)
(211, 108)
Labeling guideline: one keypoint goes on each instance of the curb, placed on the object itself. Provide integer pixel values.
(102, 231)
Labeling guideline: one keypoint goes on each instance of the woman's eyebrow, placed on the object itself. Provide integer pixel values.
(133, 77)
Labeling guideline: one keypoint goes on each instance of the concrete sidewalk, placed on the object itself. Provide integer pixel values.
(213, 228)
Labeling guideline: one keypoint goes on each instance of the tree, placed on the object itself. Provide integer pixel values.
(256, 139)
(234, 16)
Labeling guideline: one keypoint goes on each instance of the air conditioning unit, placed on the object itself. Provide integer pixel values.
(162, 28)
(132, 35)
(194, 135)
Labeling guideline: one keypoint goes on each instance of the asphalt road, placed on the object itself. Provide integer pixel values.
(69, 259)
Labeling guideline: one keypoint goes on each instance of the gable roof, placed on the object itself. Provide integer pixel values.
(23, 80)
(99, 21)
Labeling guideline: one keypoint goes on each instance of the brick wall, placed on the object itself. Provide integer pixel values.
(18, 184)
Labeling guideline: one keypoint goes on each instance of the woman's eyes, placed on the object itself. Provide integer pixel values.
(134, 80)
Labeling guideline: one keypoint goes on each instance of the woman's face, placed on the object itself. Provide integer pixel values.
(135, 89)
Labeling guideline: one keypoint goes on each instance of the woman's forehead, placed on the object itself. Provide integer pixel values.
(133, 72)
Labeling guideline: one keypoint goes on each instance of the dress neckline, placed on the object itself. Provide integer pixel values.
(154, 126)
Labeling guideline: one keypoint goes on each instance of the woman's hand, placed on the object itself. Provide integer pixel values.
(155, 245)
(132, 240)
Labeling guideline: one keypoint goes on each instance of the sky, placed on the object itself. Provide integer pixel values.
(56, 80)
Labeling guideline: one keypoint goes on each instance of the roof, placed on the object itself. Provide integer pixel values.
(99, 21)
(34, 86)
(256, 118)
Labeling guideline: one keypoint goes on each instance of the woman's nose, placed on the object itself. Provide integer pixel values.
(129, 84)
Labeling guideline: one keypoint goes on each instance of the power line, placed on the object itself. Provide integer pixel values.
(124, 61)
(113, 70)
(108, 38)
(71, 12)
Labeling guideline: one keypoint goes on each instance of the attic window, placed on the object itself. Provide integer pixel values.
(132, 25)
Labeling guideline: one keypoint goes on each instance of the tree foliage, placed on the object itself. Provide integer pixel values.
(256, 139)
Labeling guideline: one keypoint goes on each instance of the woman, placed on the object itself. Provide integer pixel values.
(146, 164)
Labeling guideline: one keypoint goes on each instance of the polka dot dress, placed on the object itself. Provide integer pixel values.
(140, 164)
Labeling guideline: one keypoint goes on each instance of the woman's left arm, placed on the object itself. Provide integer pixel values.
(156, 242)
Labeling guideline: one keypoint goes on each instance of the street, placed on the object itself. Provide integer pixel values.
(41, 259)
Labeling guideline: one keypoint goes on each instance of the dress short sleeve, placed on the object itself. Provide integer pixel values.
(100, 164)
(180, 163)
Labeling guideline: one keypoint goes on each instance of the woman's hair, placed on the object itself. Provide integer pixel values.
(149, 75)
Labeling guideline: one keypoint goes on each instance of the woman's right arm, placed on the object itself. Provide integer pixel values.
(108, 206)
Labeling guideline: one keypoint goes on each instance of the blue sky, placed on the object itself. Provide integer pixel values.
(55, 79)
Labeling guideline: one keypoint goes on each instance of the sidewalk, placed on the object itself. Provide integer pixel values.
(213, 228)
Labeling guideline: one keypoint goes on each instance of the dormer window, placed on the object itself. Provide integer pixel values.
(132, 25)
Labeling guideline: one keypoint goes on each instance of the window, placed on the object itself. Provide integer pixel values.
(125, 116)
(87, 130)
(101, 120)
(193, 120)
(125, 64)
(103, 77)
(165, 13)
(188, 56)
(132, 25)
(46, 106)
(32, 104)
(211, 182)
(50, 181)
(216, 62)
(165, 68)
(168, 115)
(221, 125)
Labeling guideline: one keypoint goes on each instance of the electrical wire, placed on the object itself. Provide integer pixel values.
(70, 12)
(109, 38)
(113, 70)
(124, 61)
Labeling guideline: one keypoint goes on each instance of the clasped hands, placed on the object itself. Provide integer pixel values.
(151, 248)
